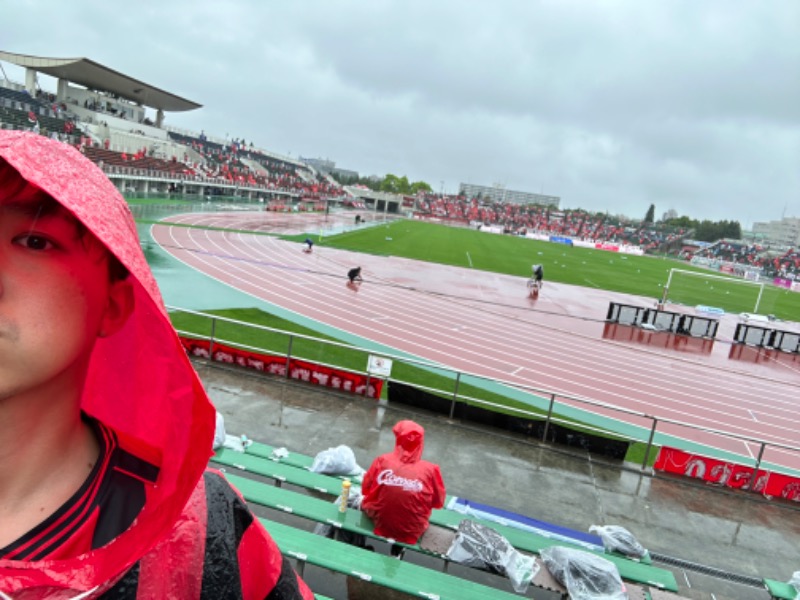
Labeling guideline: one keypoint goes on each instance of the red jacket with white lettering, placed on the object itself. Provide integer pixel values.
(400, 489)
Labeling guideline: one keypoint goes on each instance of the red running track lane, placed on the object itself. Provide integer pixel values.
(484, 323)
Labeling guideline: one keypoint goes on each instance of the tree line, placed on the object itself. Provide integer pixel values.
(708, 231)
(389, 183)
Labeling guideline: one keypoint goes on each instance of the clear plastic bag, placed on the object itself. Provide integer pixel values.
(336, 461)
(795, 583)
(219, 432)
(479, 546)
(619, 539)
(586, 576)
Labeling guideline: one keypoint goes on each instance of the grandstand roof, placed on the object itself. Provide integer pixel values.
(84, 71)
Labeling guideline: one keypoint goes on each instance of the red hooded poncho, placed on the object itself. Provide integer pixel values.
(142, 386)
(400, 489)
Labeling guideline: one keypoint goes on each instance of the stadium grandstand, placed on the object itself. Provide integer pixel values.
(107, 115)
(746, 259)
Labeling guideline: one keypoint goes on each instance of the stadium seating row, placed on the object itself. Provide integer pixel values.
(521, 540)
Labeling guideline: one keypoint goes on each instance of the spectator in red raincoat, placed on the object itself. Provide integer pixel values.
(400, 489)
(105, 429)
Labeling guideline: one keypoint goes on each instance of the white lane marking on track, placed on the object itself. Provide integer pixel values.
(753, 416)
(517, 370)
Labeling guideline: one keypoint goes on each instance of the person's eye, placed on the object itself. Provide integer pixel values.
(32, 241)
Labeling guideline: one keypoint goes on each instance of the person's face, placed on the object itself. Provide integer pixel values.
(56, 297)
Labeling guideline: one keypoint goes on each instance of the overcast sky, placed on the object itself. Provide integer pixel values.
(690, 105)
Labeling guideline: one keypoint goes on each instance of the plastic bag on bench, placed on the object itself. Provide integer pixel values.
(336, 461)
(619, 539)
(479, 546)
(795, 583)
(586, 576)
(219, 432)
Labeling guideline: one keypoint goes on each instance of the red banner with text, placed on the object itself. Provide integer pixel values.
(338, 379)
(732, 475)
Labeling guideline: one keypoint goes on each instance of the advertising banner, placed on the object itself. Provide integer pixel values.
(276, 365)
(732, 475)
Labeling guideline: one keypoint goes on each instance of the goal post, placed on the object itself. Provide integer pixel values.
(732, 294)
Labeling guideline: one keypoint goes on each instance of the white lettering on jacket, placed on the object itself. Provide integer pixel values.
(387, 477)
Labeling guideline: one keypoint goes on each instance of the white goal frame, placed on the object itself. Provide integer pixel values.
(736, 280)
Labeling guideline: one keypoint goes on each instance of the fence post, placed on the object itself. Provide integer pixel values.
(649, 444)
(751, 485)
(549, 415)
(455, 396)
(211, 339)
(289, 354)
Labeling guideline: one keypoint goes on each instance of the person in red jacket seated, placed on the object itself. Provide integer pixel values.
(400, 489)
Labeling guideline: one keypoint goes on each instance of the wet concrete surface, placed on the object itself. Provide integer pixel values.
(733, 532)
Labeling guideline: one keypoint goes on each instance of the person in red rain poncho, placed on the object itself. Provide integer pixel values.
(105, 429)
(400, 489)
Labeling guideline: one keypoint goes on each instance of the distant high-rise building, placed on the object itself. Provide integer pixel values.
(785, 232)
(497, 193)
(320, 164)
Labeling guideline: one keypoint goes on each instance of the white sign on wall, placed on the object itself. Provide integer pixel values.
(380, 366)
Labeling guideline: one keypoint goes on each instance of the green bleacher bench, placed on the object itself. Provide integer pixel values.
(313, 509)
(354, 521)
(278, 471)
(304, 461)
(525, 541)
(420, 582)
(292, 458)
(780, 590)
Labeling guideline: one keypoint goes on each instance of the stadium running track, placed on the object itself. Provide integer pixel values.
(485, 324)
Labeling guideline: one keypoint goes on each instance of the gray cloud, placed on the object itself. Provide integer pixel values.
(612, 106)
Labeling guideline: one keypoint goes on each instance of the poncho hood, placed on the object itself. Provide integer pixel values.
(140, 381)
(409, 441)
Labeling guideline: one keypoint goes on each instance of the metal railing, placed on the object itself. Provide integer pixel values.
(555, 401)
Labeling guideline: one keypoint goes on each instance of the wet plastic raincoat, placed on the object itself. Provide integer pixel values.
(194, 536)
(400, 489)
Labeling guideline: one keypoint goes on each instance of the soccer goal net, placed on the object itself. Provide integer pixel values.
(734, 295)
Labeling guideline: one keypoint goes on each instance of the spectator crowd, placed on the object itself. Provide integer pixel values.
(533, 218)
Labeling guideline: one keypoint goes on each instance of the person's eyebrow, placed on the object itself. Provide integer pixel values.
(33, 210)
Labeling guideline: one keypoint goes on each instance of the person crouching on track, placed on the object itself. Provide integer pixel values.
(354, 274)
(538, 274)
(307, 245)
